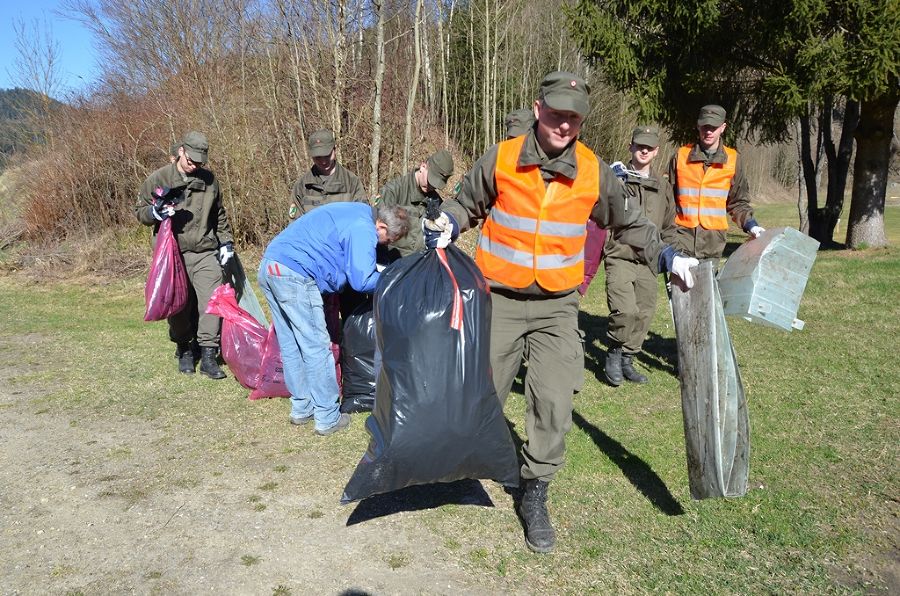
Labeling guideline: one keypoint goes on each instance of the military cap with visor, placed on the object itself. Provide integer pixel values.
(562, 90)
(440, 168)
(519, 122)
(647, 135)
(711, 115)
(196, 146)
(321, 143)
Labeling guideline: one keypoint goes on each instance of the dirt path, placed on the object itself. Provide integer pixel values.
(95, 503)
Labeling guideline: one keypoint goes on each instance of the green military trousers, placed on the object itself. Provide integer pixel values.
(204, 276)
(545, 332)
(631, 290)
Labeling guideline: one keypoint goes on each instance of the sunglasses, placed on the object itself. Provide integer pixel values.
(191, 162)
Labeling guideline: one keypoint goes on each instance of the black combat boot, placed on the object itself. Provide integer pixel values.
(187, 359)
(208, 364)
(613, 366)
(539, 533)
(629, 372)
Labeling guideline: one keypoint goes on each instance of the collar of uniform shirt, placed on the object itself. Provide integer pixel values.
(562, 165)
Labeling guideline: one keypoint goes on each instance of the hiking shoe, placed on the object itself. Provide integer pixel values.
(342, 423)
(297, 420)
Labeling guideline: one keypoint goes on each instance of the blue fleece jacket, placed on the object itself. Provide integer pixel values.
(333, 244)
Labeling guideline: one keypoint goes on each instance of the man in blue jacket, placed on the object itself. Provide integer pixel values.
(327, 249)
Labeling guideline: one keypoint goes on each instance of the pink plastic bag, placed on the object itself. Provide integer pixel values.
(250, 352)
(243, 338)
(166, 291)
(271, 371)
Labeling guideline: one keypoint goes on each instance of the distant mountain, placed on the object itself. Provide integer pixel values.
(17, 131)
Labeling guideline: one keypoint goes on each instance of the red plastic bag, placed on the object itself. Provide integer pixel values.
(243, 338)
(166, 292)
(271, 371)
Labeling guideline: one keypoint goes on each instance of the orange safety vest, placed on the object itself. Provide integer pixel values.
(536, 232)
(701, 196)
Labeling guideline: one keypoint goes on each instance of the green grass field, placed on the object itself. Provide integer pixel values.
(820, 516)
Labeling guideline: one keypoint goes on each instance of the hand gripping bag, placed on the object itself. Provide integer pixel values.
(437, 417)
(166, 292)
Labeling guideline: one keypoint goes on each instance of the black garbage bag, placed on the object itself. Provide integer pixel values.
(358, 360)
(437, 417)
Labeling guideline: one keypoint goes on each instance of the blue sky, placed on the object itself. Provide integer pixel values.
(76, 52)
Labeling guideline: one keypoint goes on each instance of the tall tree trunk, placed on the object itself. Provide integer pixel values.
(865, 227)
(375, 147)
(838, 167)
(413, 86)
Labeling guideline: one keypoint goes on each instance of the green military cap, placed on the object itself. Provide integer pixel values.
(196, 146)
(646, 134)
(173, 150)
(440, 168)
(712, 115)
(566, 91)
(518, 122)
(321, 143)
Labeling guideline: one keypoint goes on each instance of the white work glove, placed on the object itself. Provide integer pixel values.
(163, 212)
(681, 266)
(226, 251)
(440, 232)
(757, 231)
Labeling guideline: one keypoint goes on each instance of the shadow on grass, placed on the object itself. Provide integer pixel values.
(418, 498)
(659, 353)
(636, 470)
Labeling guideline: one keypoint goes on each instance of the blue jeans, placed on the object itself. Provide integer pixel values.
(299, 318)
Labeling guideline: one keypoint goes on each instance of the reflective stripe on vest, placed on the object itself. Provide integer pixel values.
(535, 232)
(701, 196)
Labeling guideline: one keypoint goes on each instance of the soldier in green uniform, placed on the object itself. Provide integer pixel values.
(631, 287)
(326, 181)
(411, 191)
(700, 232)
(193, 201)
(534, 194)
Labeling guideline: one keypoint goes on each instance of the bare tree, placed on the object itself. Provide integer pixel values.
(414, 84)
(375, 147)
